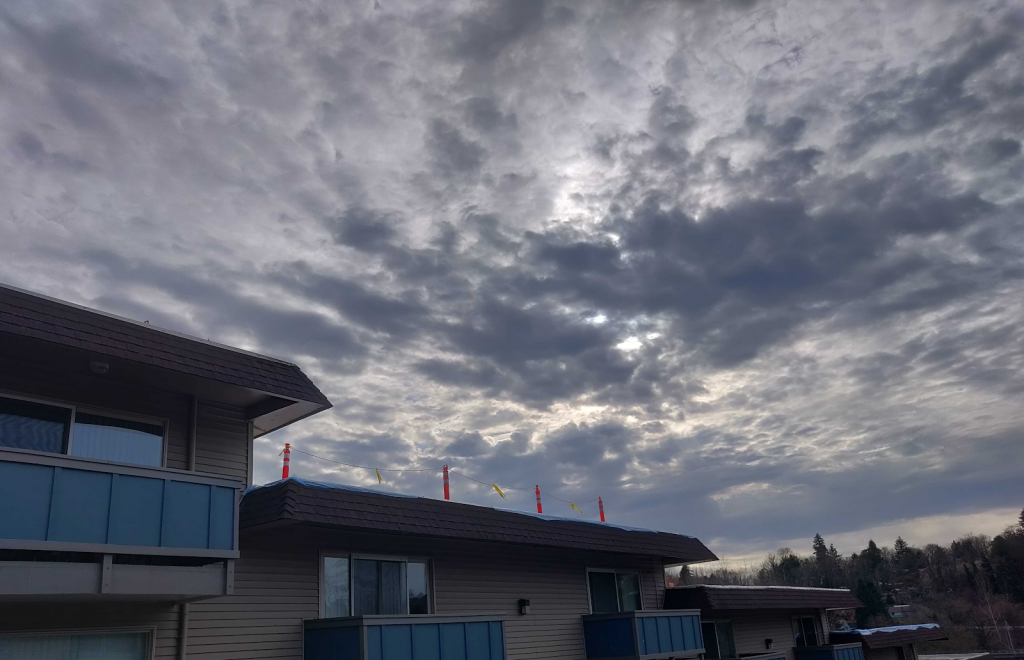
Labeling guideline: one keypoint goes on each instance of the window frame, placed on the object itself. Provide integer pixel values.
(150, 631)
(718, 642)
(618, 597)
(75, 408)
(352, 556)
(797, 624)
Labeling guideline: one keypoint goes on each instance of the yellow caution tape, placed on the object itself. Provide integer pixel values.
(499, 491)
(379, 480)
(576, 507)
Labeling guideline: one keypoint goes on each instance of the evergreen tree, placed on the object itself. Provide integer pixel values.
(900, 548)
(872, 557)
(869, 594)
(820, 551)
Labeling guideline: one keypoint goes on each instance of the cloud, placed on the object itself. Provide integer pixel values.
(731, 269)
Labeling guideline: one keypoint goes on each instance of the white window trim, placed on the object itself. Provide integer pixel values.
(618, 599)
(150, 630)
(162, 422)
(352, 556)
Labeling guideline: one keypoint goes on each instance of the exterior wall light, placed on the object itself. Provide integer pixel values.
(524, 605)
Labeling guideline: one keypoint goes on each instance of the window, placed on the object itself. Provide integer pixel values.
(61, 429)
(117, 440)
(88, 646)
(354, 586)
(718, 640)
(805, 631)
(614, 592)
(35, 426)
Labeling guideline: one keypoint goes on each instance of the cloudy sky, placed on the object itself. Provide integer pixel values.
(747, 270)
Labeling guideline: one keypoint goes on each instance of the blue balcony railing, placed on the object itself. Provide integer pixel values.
(412, 637)
(830, 652)
(61, 503)
(638, 635)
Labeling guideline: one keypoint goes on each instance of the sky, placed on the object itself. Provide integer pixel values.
(747, 270)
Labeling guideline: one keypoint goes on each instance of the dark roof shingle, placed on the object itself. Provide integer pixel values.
(39, 317)
(302, 501)
(712, 597)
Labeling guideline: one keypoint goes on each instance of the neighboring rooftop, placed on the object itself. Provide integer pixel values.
(889, 636)
(718, 597)
(30, 317)
(296, 501)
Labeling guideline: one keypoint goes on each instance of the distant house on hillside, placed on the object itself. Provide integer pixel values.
(771, 622)
(789, 623)
(892, 642)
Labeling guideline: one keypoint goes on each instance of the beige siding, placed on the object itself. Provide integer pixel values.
(28, 617)
(750, 631)
(277, 586)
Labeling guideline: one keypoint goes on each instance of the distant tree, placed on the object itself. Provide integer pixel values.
(820, 550)
(900, 548)
(872, 557)
(874, 605)
(1008, 563)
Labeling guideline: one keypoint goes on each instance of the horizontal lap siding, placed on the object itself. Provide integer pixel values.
(277, 586)
(222, 441)
(557, 594)
(750, 631)
(26, 617)
(275, 589)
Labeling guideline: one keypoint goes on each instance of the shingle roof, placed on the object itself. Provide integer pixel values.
(882, 638)
(301, 501)
(31, 315)
(711, 597)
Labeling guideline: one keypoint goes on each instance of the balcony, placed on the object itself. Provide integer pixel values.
(830, 652)
(419, 636)
(641, 635)
(116, 529)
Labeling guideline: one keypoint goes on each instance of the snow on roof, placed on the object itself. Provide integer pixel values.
(386, 493)
(744, 586)
(892, 629)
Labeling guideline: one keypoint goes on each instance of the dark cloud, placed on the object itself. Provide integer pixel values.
(921, 102)
(493, 29)
(363, 229)
(454, 155)
(484, 115)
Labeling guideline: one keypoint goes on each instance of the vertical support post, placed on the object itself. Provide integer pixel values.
(193, 421)
(287, 459)
(539, 509)
(182, 630)
(600, 507)
(444, 471)
(106, 573)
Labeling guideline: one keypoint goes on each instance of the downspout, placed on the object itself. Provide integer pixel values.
(183, 607)
(193, 420)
